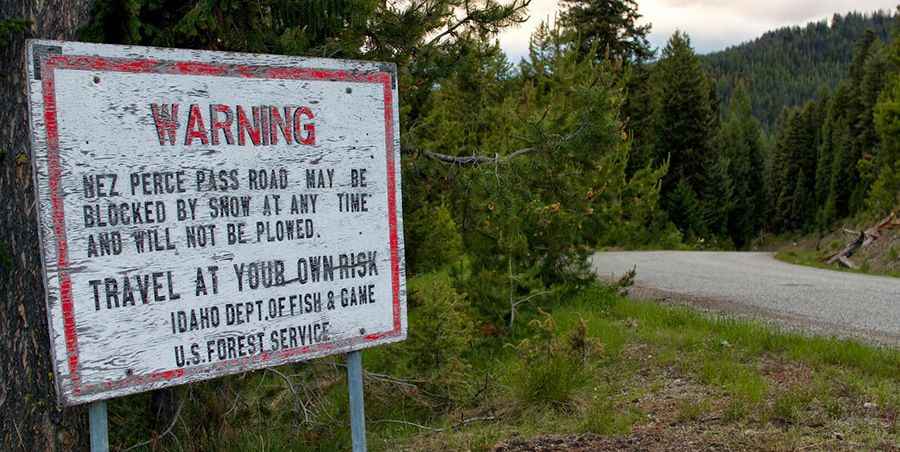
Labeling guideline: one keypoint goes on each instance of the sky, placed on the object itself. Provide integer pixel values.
(712, 24)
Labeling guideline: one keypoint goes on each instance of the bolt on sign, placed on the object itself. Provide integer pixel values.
(207, 213)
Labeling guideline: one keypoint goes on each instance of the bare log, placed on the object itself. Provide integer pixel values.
(862, 240)
(889, 222)
(848, 250)
(846, 262)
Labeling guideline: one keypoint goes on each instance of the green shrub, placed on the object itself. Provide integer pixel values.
(436, 238)
(550, 368)
(441, 330)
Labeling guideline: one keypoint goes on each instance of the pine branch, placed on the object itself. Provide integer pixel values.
(472, 16)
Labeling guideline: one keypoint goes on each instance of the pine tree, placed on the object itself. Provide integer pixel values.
(801, 207)
(885, 193)
(859, 124)
(637, 114)
(794, 206)
(685, 210)
(424, 42)
(740, 138)
(875, 71)
(824, 158)
(717, 195)
(608, 26)
(682, 117)
(842, 175)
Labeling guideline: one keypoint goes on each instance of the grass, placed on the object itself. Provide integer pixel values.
(645, 367)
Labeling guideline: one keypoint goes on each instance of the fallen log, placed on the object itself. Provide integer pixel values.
(847, 263)
(843, 256)
(862, 240)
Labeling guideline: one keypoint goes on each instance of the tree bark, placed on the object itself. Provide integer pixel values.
(29, 417)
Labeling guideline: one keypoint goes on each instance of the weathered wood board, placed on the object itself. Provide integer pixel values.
(208, 213)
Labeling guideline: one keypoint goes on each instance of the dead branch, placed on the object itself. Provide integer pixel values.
(436, 430)
(410, 384)
(469, 17)
(475, 160)
(234, 405)
(301, 404)
(19, 434)
(393, 380)
(167, 431)
(385, 378)
(515, 305)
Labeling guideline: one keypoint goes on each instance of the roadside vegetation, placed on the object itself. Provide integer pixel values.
(881, 257)
(595, 369)
(813, 258)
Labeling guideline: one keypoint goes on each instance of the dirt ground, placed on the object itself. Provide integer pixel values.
(672, 440)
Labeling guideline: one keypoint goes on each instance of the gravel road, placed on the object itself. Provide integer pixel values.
(758, 285)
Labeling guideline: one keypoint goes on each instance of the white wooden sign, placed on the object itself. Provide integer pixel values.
(208, 213)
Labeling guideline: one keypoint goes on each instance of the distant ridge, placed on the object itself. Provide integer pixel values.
(791, 65)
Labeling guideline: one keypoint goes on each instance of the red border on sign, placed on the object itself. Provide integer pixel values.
(95, 63)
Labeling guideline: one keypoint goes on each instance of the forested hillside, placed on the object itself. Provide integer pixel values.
(837, 156)
(789, 66)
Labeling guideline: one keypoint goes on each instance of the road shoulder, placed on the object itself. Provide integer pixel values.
(786, 321)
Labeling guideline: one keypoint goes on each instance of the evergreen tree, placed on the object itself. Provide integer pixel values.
(717, 194)
(608, 26)
(682, 119)
(885, 194)
(424, 39)
(875, 71)
(685, 210)
(802, 204)
(637, 114)
(559, 185)
(794, 206)
(842, 175)
(740, 138)
(824, 158)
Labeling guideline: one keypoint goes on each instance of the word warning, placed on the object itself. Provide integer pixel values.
(207, 213)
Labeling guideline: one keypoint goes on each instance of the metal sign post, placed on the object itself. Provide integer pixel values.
(357, 401)
(99, 426)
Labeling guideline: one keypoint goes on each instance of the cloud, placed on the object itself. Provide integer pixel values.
(712, 24)
(772, 11)
(716, 24)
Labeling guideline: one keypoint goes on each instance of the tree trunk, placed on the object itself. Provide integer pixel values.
(29, 417)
